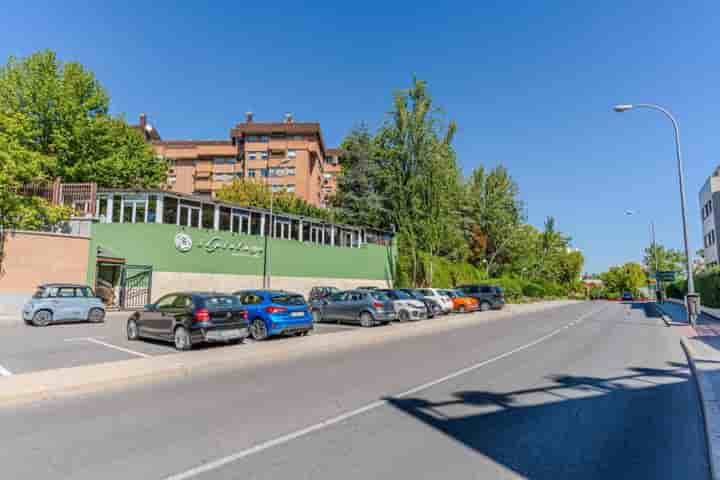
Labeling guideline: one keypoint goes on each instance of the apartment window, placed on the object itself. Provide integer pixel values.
(328, 159)
(251, 172)
(251, 138)
(327, 175)
(239, 174)
(171, 179)
(291, 154)
(264, 139)
(327, 189)
(224, 160)
(278, 135)
(290, 188)
(264, 172)
(297, 137)
(277, 154)
(277, 172)
(252, 155)
(223, 177)
(263, 155)
(291, 171)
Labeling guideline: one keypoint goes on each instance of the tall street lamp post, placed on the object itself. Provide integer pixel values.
(691, 298)
(267, 270)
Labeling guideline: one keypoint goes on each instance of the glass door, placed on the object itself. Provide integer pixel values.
(190, 216)
(282, 230)
(240, 223)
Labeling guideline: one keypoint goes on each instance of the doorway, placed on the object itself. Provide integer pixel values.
(190, 216)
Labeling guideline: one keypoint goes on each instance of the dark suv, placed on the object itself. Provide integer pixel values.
(488, 296)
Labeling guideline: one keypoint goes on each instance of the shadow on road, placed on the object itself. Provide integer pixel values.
(579, 426)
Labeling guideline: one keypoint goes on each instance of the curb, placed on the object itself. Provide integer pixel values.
(712, 438)
(665, 317)
(50, 384)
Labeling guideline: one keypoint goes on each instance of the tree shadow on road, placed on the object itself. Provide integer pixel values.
(577, 426)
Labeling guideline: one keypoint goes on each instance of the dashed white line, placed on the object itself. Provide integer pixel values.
(110, 345)
(5, 372)
(220, 462)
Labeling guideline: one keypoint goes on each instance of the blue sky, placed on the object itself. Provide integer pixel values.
(530, 84)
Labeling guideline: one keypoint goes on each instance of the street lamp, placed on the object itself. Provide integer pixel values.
(691, 295)
(267, 271)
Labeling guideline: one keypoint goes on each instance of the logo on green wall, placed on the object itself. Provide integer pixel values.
(184, 243)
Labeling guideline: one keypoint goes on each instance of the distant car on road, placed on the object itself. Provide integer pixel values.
(317, 293)
(364, 307)
(627, 297)
(488, 296)
(433, 308)
(276, 312)
(461, 303)
(190, 318)
(434, 293)
(406, 307)
(62, 302)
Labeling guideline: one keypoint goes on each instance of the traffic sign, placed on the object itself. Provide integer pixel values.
(666, 276)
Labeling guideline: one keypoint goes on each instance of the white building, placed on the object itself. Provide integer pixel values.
(709, 200)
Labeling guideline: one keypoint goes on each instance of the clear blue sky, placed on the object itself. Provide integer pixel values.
(530, 85)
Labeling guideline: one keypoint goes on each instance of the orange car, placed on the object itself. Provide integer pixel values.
(461, 303)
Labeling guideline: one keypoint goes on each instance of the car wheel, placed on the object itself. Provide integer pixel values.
(96, 315)
(366, 320)
(461, 309)
(182, 339)
(133, 333)
(404, 316)
(42, 318)
(484, 306)
(258, 330)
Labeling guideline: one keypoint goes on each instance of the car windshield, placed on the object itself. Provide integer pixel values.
(379, 296)
(288, 299)
(403, 295)
(39, 293)
(222, 301)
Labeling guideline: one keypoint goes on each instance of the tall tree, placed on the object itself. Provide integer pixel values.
(65, 113)
(628, 277)
(666, 259)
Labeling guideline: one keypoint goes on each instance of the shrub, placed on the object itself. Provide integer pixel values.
(532, 289)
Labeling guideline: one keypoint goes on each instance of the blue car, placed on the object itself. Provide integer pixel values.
(275, 312)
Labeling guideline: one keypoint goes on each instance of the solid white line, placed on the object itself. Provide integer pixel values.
(215, 464)
(110, 345)
(5, 372)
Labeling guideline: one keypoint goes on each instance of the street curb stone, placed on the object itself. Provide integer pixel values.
(709, 401)
(664, 315)
(50, 384)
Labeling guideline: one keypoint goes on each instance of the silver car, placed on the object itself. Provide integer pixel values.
(63, 302)
(365, 307)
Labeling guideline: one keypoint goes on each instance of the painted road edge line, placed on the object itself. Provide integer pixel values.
(5, 372)
(110, 345)
(220, 462)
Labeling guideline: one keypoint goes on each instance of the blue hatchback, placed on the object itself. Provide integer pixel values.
(275, 312)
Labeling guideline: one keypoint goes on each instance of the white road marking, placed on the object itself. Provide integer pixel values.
(110, 345)
(5, 372)
(75, 339)
(220, 462)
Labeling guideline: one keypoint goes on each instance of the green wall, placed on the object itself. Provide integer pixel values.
(154, 244)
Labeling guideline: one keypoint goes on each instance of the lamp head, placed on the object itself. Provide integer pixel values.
(622, 108)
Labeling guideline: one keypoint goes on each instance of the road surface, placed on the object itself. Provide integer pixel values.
(591, 390)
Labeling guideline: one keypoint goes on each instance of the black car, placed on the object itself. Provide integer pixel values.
(627, 297)
(190, 318)
(488, 296)
(433, 308)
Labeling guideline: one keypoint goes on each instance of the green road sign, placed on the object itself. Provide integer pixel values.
(666, 276)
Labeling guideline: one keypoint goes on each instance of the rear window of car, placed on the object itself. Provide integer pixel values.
(288, 299)
(221, 301)
(379, 296)
(425, 292)
(403, 295)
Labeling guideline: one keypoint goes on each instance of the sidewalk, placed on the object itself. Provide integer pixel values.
(702, 347)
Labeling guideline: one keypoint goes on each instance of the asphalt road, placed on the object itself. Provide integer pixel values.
(25, 348)
(589, 391)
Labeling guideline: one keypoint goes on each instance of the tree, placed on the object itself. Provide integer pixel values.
(64, 111)
(628, 277)
(666, 259)
(357, 200)
(494, 212)
(252, 193)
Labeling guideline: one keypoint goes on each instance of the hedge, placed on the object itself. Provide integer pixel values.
(707, 284)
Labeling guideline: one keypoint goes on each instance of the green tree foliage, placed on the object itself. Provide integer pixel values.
(667, 259)
(64, 114)
(256, 194)
(629, 277)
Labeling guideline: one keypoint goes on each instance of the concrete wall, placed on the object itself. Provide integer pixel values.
(167, 282)
(32, 258)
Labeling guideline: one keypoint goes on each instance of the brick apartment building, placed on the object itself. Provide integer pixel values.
(289, 155)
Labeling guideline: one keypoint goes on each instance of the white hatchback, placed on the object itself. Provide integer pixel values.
(445, 302)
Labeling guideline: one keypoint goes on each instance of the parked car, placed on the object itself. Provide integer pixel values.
(627, 297)
(461, 303)
(317, 293)
(368, 287)
(364, 307)
(189, 318)
(276, 312)
(488, 296)
(433, 308)
(406, 307)
(62, 302)
(433, 293)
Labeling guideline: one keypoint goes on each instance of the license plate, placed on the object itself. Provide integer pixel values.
(297, 314)
(224, 334)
